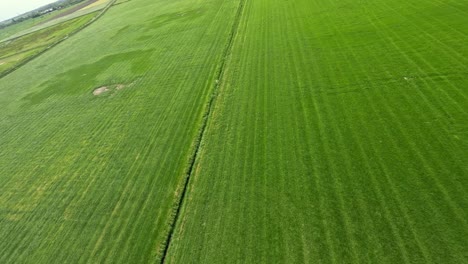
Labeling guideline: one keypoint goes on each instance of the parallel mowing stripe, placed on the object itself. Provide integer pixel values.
(405, 213)
(338, 188)
(238, 152)
(211, 102)
(340, 43)
(390, 182)
(423, 159)
(427, 21)
(304, 117)
(147, 149)
(303, 95)
(374, 180)
(102, 126)
(463, 13)
(189, 110)
(420, 70)
(422, 58)
(34, 190)
(445, 50)
(97, 170)
(291, 40)
(363, 208)
(135, 170)
(424, 95)
(105, 126)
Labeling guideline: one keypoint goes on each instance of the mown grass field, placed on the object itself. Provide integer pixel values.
(242, 132)
(339, 135)
(93, 179)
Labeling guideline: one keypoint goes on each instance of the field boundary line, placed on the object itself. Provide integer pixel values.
(210, 105)
(21, 64)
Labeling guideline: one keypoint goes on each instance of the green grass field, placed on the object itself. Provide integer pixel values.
(338, 136)
(242, 131)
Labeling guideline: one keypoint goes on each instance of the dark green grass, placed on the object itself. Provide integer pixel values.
(339, 135)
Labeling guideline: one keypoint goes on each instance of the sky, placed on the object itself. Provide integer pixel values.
(12, 8)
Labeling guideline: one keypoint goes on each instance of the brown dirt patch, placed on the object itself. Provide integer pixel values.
(111, 88)
(100, 90)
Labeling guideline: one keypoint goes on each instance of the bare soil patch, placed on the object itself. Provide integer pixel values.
(100, 90)
(112, 88)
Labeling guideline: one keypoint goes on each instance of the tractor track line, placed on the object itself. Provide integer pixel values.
(200, 137)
